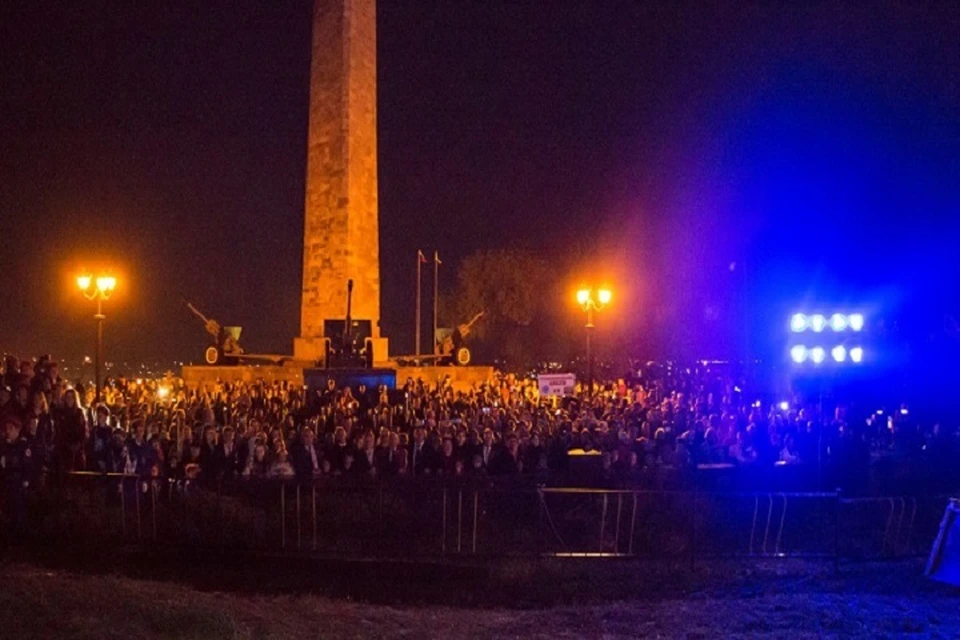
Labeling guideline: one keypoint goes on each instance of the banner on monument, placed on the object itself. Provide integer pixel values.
(556, 384)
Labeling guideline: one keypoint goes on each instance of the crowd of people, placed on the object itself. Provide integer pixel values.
(626, 430)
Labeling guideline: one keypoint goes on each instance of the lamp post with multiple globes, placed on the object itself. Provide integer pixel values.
(591, 301)
(97, 288)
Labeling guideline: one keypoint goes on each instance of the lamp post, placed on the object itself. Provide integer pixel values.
(97, 288)
(592, 301)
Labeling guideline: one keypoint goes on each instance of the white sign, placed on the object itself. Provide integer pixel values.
(556, 384)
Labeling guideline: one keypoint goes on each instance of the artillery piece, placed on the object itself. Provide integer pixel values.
(450, 342)
(450, 346)
(226, 347)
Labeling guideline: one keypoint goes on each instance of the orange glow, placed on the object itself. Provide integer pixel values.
(604, 296)
(84, 282)
(583, 296)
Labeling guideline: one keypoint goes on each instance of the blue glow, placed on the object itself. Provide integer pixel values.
(856, 354)
(856, 321)
(784, 406)
(818, 355)
(798, 323)
(818, 322)
(839, 353)
(838, 322)
(798, 353)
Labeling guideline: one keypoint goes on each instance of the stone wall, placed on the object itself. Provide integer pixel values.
(206, 376)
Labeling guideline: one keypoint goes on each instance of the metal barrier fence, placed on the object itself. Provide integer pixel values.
(432, 519)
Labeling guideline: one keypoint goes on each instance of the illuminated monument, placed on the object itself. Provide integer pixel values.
(340, 231)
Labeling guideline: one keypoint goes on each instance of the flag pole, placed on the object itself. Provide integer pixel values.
(417, 334)
(436, 296)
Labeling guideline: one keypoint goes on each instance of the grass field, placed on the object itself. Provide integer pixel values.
(41, 599)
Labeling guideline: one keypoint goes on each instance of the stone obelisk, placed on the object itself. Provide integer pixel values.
(340, 232)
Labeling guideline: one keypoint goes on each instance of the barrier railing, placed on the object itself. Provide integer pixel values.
(435, 519)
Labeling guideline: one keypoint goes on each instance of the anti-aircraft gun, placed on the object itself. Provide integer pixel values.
(226, 349)
(451, 345)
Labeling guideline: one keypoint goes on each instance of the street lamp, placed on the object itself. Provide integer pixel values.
(98, 289)
(590, 301)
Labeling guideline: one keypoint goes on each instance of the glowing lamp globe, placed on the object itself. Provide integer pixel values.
(839, 353)
(106, 283)
(838, 322)
(604, 296)
(856, 354)
(83, 282)
(798, 323)
(856, 321)
(818, 355)
(798, 353)
(583, 296)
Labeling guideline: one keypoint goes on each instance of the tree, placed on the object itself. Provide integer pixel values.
(511, 288)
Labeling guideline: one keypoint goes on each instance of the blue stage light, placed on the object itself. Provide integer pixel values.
(856, 354)
(818, 355)
(798, 353)
(839, 353)
(838, 322)
(784, 406)
(798, 323)
(856, 321)
(817, 322)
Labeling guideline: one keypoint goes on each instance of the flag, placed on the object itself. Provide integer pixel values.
(436, 257)
(421, 257)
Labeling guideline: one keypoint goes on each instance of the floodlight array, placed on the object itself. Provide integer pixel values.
(818, 322)
(818, 355)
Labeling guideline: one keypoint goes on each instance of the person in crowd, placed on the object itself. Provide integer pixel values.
(71, 432)
(508, 461)
(307, 456)
(421, 453)
(366, 460)
(447, 460)
(101, 436)
(226, 457)
(17, 468)
(389, 458)
(281, 467)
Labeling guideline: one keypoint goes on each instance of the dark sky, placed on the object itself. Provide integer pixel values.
(723, 162)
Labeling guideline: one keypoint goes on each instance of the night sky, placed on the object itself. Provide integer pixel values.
(721, 163)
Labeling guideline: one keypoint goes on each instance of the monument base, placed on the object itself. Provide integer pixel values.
(206, 377)
(314, 350)
(461, 378)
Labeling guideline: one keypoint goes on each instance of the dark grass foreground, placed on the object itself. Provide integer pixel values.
(194, 597)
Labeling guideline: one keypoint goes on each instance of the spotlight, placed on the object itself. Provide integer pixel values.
(798, 323)
(856, 321)
(817, 354)
(817, 322)
(784, 406)
(856, 354)
(839, 353)
(838, 322)
(798, 353)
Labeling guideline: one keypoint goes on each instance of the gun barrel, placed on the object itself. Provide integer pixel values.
(197, 312)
